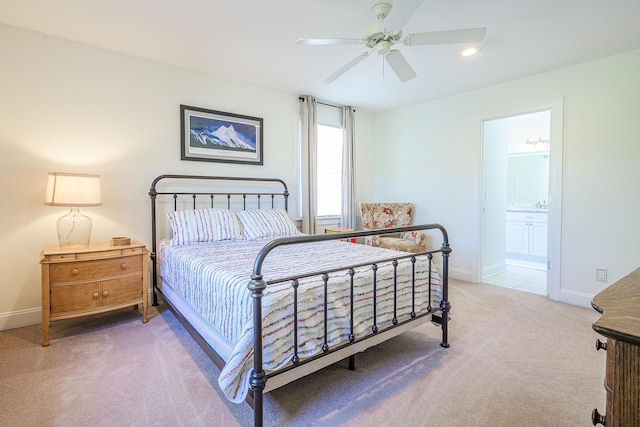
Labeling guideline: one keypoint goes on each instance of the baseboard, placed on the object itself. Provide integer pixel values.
(530, 258)
(576, 298)
(33, 316)
(494, 269)
(21, 318)
(459, 274)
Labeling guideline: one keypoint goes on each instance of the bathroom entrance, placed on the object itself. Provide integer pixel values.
(518, 183)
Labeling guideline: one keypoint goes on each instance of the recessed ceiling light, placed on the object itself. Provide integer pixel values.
(470, 51)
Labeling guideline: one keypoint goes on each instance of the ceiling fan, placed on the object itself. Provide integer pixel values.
(381, 36)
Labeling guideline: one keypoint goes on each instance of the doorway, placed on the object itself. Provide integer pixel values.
(520, 207)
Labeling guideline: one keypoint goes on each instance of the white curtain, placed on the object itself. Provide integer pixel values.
(309, 132)
(348, 216)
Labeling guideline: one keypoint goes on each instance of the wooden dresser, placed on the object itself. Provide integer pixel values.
(78, 281)
(620, 325)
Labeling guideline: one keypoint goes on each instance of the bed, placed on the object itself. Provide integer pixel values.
(270, 304)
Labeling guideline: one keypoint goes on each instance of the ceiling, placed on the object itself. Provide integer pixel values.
(254, 40)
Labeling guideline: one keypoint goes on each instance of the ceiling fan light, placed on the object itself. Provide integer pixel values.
(383, 47)
(470, 51)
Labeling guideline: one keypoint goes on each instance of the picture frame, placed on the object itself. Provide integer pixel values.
(216, 136)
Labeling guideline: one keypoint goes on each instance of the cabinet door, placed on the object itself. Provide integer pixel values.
(517, 237)
(122, 290)
(538, 239)
(75, 297)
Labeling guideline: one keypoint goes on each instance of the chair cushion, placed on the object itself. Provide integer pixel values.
(398, 244)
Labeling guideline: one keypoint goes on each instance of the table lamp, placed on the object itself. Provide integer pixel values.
(73, 190)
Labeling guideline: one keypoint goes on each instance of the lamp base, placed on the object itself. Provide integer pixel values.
(74, 229)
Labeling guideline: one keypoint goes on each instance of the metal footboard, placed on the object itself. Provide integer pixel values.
(257, 285)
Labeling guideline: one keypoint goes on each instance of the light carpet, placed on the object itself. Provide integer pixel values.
(516, 359)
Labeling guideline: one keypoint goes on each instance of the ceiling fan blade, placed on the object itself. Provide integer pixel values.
(399, 65)
(400, 14)
(347, 67)
(319, 42)
(464, 35)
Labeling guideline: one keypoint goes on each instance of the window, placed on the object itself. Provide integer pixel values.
(328, 157)
(329, 168)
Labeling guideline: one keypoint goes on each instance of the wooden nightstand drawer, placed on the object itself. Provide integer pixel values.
(87, 270)
(90, 254)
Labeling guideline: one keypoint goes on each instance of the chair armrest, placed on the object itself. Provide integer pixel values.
(376, 240)
(417, 237)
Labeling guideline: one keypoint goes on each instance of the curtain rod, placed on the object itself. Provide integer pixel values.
(329, 105)
(326, 103)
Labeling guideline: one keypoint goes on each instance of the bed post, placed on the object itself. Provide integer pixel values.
(152, 194)
(446, 306)
(258, 378)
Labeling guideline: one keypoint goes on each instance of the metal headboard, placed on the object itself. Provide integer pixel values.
(259, 196)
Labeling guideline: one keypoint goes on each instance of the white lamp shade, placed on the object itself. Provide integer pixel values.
(71, 189)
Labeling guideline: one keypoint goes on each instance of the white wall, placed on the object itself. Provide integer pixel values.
(439, 143)
(73, 108)
(69, 107)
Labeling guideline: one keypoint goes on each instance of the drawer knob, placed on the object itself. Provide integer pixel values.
(123, 266)
(74, 272)
(104, 294)
(600, 345)
(96, 295)
(597, 418)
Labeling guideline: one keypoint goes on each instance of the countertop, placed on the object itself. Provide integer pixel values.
(620, 308)
(528, 210)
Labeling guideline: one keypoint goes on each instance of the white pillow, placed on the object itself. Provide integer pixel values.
(262, 223)
(204, 225)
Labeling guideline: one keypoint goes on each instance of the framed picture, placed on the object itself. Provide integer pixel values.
(214, 136)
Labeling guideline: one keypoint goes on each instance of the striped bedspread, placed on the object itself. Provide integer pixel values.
(213, 277)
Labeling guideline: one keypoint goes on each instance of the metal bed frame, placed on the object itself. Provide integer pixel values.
(256, 285)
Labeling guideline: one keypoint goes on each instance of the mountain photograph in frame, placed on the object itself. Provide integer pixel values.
(216, 136)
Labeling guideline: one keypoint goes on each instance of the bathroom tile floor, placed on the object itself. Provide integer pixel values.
(521, 276)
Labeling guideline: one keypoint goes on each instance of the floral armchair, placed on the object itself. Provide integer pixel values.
(389, 215)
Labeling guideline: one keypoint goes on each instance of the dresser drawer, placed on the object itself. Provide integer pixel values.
(88, 270)
(79, 256)
(527, 216)
(610, 366)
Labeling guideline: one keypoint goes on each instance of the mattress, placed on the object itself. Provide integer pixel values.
(212, 279)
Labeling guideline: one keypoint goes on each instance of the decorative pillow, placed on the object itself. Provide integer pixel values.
(261, 223)
(204, 225)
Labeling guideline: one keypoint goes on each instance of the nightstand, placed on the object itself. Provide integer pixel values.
(84, 280)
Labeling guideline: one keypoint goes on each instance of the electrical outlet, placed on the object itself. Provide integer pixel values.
(601, 274)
